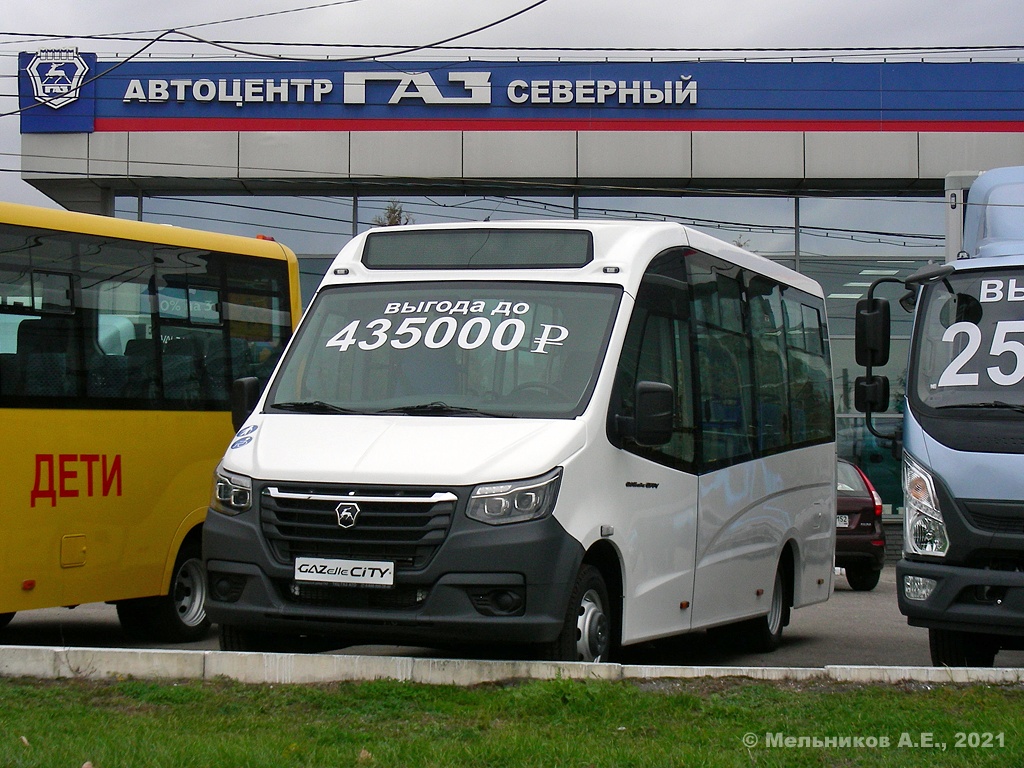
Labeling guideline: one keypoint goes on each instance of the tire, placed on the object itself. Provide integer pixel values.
(764, 634)
(180, 615)
(232, 638)
(862, 579)
(587, 630)
(5, 619)
(134, 618)
(235, 638)
(951, 648)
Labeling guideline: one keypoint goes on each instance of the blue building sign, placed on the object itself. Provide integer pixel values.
(64, 91)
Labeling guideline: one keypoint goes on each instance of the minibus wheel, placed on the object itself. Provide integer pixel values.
(235, 638)
(232, 638)
(180, 615)
(586, 633)
(5, 619)
(765, 632)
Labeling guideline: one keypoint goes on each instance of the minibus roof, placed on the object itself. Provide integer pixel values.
(570, 250)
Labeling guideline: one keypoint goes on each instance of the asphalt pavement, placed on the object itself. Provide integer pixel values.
(851, 628)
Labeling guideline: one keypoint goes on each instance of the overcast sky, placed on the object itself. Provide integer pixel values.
(690, 28)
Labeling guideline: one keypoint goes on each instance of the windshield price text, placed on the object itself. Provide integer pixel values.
(954, 374)
(468, 333)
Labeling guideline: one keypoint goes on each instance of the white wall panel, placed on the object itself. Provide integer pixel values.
(634, 154)
(748, 155)
(45, 154)
(944, 153)
(230, 162)
(519, 154)
(108, 154)
(208, 154)
(293, 154)
(407, 154)
(860, 155)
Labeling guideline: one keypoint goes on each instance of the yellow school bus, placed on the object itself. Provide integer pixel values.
(119, 343)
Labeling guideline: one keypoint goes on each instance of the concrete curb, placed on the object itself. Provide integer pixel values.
(111, 663)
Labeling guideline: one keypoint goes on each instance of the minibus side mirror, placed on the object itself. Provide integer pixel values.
(245, 393)
(655, 403)
(871, 393)
(871, 327)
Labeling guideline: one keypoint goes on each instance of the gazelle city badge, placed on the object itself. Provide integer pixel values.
(347, 514)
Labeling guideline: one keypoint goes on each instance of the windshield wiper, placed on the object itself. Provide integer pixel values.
(312, 406)
(437, 408)
(992, 404)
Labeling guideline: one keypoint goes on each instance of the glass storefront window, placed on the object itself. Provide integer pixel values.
(875, 457)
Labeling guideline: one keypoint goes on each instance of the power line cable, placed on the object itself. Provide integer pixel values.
(401, 52)
(250, 17)
(780, 50)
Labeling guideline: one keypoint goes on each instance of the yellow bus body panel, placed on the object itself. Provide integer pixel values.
(76, 531)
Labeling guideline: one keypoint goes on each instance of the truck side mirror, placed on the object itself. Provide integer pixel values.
(655, 403)
(871, 327)
(871, 393)
(245, 393)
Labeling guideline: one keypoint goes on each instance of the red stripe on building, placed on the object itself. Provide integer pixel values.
(182, 124)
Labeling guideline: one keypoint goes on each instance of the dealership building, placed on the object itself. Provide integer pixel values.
(836, 169)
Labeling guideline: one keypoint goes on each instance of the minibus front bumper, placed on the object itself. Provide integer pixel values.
(500, 584)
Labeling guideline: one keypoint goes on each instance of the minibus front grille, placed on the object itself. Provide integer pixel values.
(358, 598)
(400, 525)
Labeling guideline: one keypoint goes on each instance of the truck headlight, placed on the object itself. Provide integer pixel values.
(924, 530)
(232, 494)
(516, 501)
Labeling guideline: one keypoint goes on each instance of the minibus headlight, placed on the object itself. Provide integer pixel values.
(516, 501)
(232, 494)
(924, 531)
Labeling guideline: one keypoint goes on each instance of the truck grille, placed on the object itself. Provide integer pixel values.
(401, 525)
(995, 517)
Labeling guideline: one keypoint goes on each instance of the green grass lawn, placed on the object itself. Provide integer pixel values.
(725, 722)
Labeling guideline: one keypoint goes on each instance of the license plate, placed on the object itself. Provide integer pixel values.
(842, 521)
(377, 573)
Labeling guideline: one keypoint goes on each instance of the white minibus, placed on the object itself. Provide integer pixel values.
(565, 437)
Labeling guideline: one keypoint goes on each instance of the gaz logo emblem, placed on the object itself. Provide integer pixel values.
(56, 76)
(347, 514)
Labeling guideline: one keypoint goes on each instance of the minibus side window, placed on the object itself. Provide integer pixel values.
(723, 360)
(771, 372)
(810, 386)
(657, 348)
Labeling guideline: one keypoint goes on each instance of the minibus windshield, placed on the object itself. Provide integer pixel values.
(503, 349)
(969, 342)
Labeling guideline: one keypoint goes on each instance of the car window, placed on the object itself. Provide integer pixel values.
(849, 481)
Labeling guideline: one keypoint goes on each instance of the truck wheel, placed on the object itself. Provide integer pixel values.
(951, 648)
(5, 619)
(764, 634)
(586, 633)
(862, 579)
(180, 615)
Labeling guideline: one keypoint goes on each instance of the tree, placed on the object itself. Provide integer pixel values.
(393, 216)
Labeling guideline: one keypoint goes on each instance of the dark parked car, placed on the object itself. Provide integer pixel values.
(860, 540)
